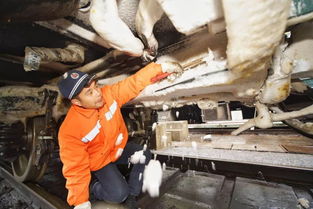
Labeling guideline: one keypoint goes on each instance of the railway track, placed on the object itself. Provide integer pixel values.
(17, 195)
(182, 189)
(188, 182)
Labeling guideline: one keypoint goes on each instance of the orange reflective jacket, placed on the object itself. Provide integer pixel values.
(89, 139)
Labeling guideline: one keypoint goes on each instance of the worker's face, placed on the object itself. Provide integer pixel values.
(90, 97)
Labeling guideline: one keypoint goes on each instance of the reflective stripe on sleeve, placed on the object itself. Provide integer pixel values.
(119, 139)
(119, 152)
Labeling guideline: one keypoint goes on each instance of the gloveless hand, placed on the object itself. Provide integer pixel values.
(85, 205)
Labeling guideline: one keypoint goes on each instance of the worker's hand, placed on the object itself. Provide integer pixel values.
(85, 205)
(169, 64)
(171, 67)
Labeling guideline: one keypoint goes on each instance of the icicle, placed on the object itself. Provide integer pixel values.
(164, 166)
(154, 126)
(194, 145)
(213, 166)
(177, 114)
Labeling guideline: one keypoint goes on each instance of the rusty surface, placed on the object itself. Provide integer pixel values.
(299, 149)
(18, 102)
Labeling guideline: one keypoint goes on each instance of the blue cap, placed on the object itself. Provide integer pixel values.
(72, 82)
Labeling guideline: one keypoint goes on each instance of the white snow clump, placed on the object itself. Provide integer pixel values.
(152, 178)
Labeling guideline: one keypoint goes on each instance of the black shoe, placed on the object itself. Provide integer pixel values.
(92, 197)
(131, 202)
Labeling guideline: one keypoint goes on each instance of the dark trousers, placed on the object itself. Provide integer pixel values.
(111, 185)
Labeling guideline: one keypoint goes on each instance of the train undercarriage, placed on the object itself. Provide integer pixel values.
(238, 114)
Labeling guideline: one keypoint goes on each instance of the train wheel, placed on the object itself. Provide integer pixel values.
(26, 167)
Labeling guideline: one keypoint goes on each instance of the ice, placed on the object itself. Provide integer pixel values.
(194, 145)
(138, 157)
(304, 202)
(213, 166)
(152, 178)
(164, 140)
(163, 166)
(154, 126)
(165, 107)
(177, 114)
(207, 137)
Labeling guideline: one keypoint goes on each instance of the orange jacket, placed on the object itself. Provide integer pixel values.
(89, 139)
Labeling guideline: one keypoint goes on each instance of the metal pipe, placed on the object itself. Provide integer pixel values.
(103, 63)
(34, 10)
(297, 124)
(44, 66)
(64, 26)
(265, 118)
(35, 55)
(299, 19)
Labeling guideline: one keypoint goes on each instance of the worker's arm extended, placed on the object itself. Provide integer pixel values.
(130, 87)
(75, 159)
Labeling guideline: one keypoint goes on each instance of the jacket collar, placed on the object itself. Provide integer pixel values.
(83, 111)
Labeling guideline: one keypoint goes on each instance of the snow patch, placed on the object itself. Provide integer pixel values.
(165, 107)
(207, 137)
(301, 65)
(304, 202)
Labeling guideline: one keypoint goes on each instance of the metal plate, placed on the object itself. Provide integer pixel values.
(193, 190)
(254, 194)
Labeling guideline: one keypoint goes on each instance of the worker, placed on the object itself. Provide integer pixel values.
(93, 138)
